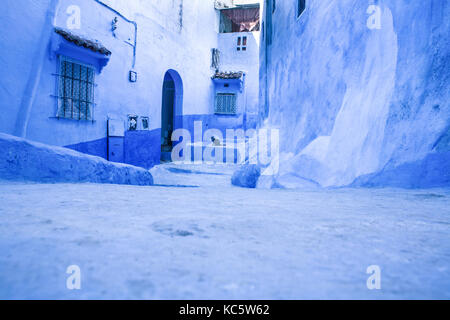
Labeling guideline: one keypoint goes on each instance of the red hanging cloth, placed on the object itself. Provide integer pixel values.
(243, 20)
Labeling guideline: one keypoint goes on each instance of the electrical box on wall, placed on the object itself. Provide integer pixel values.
(116, 133)
(132, 122)
(136, 123)
(115, 128)
(145, 123)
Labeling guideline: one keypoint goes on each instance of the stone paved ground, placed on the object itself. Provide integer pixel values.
(194, 236)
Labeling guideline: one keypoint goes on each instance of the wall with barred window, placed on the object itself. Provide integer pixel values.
(62, 88)
(147, 38)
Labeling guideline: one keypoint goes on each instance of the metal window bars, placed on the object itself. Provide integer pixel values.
(225, 103)
(76, 90)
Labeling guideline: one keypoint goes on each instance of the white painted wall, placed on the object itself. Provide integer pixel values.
(246, 61)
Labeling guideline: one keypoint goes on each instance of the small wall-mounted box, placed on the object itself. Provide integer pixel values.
(133, 76)
(115, 128)
(145, 123)
(132, 122)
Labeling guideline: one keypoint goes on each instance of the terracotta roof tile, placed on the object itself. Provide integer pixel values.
(81, 42)
(228, 75)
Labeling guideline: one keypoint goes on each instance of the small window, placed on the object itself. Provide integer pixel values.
(301, 7)
(76, 90)
(225, 103)
(241, 44)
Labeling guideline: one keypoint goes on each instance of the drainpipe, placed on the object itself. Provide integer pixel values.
(244, 118)
(129, 21)
(23, 116)
(267, 42)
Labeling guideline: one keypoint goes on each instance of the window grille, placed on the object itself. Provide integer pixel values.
(76, 90)
(225, 103)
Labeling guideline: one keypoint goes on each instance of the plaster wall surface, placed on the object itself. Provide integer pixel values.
(357, 101)
(151, 38)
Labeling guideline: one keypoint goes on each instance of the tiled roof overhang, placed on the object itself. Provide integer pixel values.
(65, 43)
(228, 75)
(81, 42)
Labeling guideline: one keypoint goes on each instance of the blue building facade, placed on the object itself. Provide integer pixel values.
(94, 76)
(359, 90)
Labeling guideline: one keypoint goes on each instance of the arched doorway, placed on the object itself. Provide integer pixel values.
(171, 111)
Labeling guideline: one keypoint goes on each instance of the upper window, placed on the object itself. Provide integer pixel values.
(242, 43)
(225, 103)
(301, 7)
(76, 90)
(241, 19)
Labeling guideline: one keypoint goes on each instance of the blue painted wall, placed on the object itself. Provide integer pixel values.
(22, 25)
(29, 59)
(96, 148)
(142, 148)
(354, 101)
